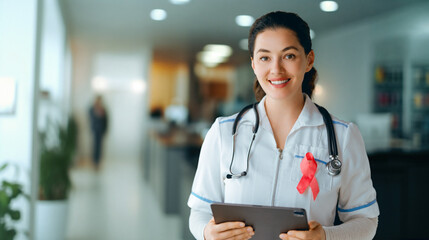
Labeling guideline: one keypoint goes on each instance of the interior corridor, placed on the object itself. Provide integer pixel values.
(115, 203)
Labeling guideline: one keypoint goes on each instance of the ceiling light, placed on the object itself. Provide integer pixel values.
(329, 6)
(244, 20)
(179, 2)
(244, 44)
(210, 57)
(312, 34)
(158, 14)
(214, 54)
(138, 86)
(219, 49)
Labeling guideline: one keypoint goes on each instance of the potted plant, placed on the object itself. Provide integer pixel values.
(9, 192)
(57, 147)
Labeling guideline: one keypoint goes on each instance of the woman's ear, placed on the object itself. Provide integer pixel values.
(310, 61)
(253, 65)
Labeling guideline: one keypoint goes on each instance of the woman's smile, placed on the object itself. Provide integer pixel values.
(279, 82)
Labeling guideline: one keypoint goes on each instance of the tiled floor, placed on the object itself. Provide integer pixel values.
(116, 204)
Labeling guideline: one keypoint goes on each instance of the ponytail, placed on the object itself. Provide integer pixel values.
(309, 82)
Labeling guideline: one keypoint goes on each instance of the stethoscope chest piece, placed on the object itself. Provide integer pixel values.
(334, 166)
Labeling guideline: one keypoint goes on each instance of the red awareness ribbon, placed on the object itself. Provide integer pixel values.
(308, 169)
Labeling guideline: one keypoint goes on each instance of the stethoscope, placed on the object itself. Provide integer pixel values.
(333, 166)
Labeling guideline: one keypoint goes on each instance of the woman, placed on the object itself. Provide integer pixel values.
(290, 128)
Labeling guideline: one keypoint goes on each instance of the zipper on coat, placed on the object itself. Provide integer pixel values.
(277, 176)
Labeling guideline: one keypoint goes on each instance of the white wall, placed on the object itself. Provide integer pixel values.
(118, 64)
(52, 67)
(32, 51)
(17, 48)
(345, 57)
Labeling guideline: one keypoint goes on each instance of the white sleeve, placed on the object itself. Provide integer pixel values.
(208, 185)
(197, 222)
(357, 196)
(354, 229)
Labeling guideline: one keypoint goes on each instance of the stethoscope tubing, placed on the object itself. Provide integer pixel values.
(333, 166)
(234, 134)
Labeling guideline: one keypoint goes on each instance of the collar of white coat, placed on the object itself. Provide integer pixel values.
(309, 116)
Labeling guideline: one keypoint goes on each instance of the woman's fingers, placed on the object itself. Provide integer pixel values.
(313, 225)
(237, 234)
(293, 235)
(228, 230)
(315, 232)
(283, 236)
(228, 225)
(234, 230)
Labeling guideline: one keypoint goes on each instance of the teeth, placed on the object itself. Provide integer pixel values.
(280, 82)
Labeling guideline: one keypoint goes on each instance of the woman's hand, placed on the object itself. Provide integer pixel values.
(316, 232)
(227, 230)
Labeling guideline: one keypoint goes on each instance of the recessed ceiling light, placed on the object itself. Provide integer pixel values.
(214, 54)
(329, 6)
(244, 20)
(244, 44)
(138, 86)
(222, 50)
(179, 2)
(210, 57)
(158, 14)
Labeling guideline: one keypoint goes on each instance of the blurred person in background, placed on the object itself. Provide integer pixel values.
(288, 164)
(98, 118)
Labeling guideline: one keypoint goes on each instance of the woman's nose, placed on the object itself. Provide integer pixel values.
(277, 67)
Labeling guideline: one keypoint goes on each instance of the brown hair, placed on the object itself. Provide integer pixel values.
(290, 21)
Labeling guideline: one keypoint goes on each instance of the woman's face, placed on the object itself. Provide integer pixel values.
(279, 63)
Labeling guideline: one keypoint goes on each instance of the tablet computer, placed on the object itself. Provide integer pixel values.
(267, 222)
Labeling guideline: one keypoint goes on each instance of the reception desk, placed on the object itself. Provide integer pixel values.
(400, 177)
(169, 168)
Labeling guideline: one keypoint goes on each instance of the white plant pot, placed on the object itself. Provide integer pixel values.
(51, 220)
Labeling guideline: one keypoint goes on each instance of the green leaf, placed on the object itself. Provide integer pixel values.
(3, 166)
(15, 215)
(4, 199)
(9, 190)
(16, 190)
(6, 233)
(55, 161)
(10, 234)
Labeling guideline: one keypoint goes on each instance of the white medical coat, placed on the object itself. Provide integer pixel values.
(273, 174)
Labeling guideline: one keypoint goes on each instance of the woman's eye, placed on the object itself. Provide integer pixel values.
(263, 59)
(290, 56)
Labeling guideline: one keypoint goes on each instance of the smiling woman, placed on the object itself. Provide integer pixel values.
(288, 159)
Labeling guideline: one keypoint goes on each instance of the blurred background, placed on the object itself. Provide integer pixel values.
(104, 105)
